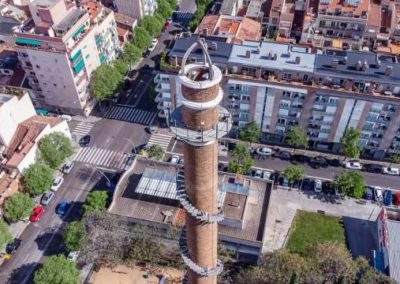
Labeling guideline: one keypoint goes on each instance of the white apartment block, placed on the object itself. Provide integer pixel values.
(136, 8)
(61, 51)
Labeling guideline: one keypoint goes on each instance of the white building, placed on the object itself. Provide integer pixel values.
(61, 51)
(136, 8)
(21, 130)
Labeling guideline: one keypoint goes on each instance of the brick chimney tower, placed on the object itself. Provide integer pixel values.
(200, 122)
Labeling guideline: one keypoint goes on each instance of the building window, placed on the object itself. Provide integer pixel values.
(37, 66)
(287, 76)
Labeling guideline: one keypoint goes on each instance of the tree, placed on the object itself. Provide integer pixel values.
(38, 178)
(75, 236)
(18, 206)
(294, 173)
(57, 269)
(121, 66)
(297, 137)
(351, 184)
(55, 148)
(172, 3)
(142, 38)
(251, 132)
(164, 9)
(349, 139)
(5, 235)
(96, 201)
(156, 152)
(143, 249)
(395, 159)
(152, 24)
(243, 161)
(106, 82)
(132, 54)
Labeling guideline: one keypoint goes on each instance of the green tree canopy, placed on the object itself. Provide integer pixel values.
(395, 159)
(152, 24)
(294, 173)
(251, 132)
(75, 236)
(95, 202)
(38, 178)
(242, 160)
(349, 139)
(142, 38)
(351, 184)
(106, 82)
(57, 269)
(5, 235)
(323, 263)
(144, 249)
(164, 9)
(121, 66)
(132, 53)
(156, 152)
(18, 206)
(297, 137)
(55, 148)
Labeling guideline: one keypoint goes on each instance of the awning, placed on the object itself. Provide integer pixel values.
(42, 111)
(76, 55)
(80, 30)
(28, 41)
(337, 43)
(78, 67)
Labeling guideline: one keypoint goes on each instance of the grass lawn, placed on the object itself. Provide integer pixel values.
(309, 228)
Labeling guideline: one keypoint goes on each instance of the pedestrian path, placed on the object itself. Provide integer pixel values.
(83, 128)
(130, 114)
(161, 139)
(102, 157)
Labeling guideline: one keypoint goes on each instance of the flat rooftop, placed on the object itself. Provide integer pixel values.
(393, 228)
(263, 53)
(249, 206)
(69, 20)
(4, 98)
(44, 3)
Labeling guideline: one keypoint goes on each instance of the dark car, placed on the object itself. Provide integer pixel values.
(139, 148)
(369, 193)
(283, 181)
(11, 248)
(373, 168)
(296, 183)
(284, 155)
(274, 177)
(327, 187)
(335, 162)
(84, 141)
(307, 184)
(318, 162)
(301, 159)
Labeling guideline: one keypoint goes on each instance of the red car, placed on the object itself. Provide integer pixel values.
(37, 213)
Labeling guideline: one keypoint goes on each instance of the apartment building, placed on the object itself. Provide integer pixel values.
(281, 85)
(231, 7)
(136, 8)
(62, 48)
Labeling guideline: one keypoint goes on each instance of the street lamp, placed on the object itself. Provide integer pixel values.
(130, 142)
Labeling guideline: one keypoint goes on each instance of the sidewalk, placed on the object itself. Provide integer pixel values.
(16, 229)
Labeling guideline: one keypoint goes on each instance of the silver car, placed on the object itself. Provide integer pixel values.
(46, 198)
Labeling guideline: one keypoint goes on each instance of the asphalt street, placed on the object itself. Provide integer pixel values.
(44, 238)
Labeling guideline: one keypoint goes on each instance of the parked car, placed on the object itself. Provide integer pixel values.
(174, 159)
(73, 255)
(307, 184)
(46, 198)
(222, 167)
(369, 193)
(258, 173)
(66, 117)
(378, 194)
(266, 175)
(85, 141)
(335, 162)
(353, 165)
(264, 151)
(283, 155)
(67, 168)
(283, 181)
(275, 177)
(301, 158)
(57, 181)
(391, 171)
(396, 199)
(388, 198)
(373, 168)
(11, 248)
(318, 162)
(327, 187)
(317, 185)
(296, 183)
(37, 213)
(62, 208)
(153, 44)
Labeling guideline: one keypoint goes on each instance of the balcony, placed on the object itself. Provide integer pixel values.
(163, 105)
(162, 114)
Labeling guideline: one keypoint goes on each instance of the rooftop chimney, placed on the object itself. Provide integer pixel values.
(388, 70)
(248, 53)
(297, 60)
(205, 32)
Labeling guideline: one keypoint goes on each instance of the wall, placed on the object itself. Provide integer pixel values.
(132, 8)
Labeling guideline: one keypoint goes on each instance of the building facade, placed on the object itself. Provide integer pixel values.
(281, 85)
(61, 51)
(136, 8)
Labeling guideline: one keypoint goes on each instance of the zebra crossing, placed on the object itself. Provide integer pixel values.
(130, 114)
(83, 128)
(103, 157)
(161, 139)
